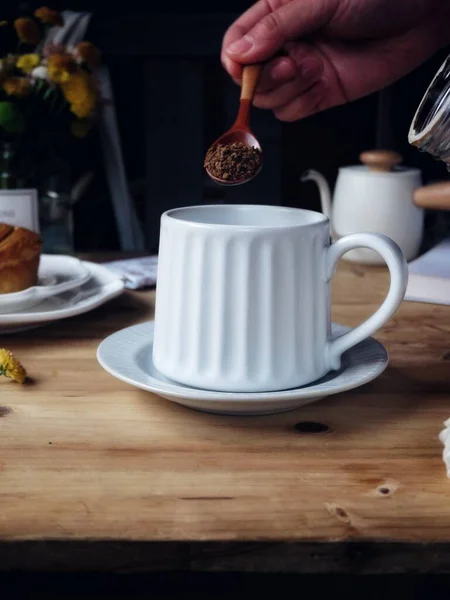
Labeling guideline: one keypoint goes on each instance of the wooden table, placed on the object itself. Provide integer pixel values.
(95, 474)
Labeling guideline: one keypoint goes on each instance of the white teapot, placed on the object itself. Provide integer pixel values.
(376, 196)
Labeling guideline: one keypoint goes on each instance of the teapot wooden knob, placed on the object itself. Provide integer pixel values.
(380, 160)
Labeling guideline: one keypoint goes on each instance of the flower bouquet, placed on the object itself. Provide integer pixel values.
(48, 94)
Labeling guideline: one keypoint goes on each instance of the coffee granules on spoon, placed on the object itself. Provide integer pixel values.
(233, 162)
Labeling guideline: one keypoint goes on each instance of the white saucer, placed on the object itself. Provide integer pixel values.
(57, 274)
(102, 285)
(127, 355)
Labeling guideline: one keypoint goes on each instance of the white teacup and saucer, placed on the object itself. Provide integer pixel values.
(243, 316)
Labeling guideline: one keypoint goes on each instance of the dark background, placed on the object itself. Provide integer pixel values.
(173, 99)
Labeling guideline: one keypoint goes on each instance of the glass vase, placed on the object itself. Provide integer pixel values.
(56, 223)
(55, 209)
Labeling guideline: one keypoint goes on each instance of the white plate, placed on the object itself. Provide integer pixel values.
(57, 274)
(101, 286)
(127, 355)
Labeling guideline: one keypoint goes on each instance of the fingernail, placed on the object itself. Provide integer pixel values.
(282, 71)
(240, 46)
(311, 68)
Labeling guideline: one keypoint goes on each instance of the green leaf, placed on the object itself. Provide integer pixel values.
(39, 86)
(11, 118)
(48, 92)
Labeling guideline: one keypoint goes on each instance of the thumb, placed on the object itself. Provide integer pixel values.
(289, 22)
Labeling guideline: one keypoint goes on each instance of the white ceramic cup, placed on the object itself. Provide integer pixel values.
(243, 296)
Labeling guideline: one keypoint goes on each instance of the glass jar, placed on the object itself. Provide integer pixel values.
(56, 216)
(430, 127)
(9, 172)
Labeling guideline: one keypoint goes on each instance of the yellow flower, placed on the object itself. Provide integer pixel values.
(58, 75)
(80, 128)
(48, 16)
(17, 86)
(60, 66)
(11, 367)
(83, 109)
(27, 62)
(27, 30)
(89, 54)
(3, 23)
(81, 93)
(62, 60)
(10, 61)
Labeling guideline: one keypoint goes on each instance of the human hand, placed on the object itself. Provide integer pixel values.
(334, 51)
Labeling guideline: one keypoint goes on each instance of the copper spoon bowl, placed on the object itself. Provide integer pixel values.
(240, 130)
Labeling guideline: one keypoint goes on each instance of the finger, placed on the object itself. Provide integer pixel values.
(299, 51)
(276, 72)
(305, 105)
(247, 21)
(237, 30)
(280, 69)
(233, 68)
(291, 21)
(307, 76)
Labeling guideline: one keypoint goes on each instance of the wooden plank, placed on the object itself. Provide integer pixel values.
(86, 458)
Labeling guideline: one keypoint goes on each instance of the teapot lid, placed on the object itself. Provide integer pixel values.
(382, 161)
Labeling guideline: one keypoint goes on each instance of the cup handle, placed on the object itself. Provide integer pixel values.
(398, 269)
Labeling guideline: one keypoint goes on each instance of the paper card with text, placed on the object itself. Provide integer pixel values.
(20, 208)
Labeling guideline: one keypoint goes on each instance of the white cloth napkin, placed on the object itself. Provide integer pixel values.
(429, 281)
(429, 276)
(444, 437)
(135, 272)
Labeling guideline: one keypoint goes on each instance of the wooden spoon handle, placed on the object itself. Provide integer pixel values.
(435, 196)
(250, 78)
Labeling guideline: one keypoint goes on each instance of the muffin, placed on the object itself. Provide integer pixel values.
(20, 253)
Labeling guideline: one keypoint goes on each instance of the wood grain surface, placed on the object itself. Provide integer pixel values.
(353, 483)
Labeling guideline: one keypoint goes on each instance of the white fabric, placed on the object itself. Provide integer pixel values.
(429, 276)
(444, 437)
(135, 272)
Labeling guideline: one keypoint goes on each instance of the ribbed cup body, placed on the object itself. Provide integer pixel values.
(242, 307)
